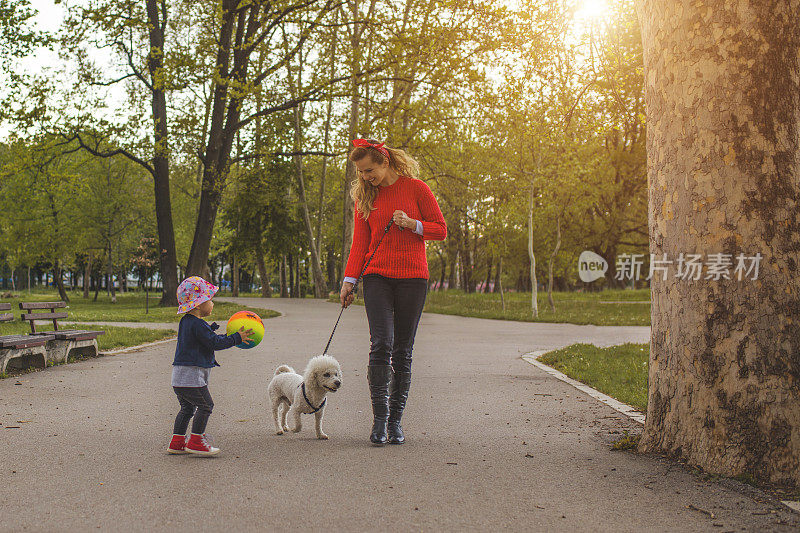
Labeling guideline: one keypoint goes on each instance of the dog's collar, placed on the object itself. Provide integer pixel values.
(315, 409)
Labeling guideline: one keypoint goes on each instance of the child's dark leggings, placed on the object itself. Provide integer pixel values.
(394, 307)
(195, 402)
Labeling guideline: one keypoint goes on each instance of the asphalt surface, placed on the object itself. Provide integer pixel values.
(493, 444)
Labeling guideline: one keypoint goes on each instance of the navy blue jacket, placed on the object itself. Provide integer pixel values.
(197, 342)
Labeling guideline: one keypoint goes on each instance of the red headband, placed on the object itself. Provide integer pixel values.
(366, 144)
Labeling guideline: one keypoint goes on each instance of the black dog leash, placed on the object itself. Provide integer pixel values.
(355, 285)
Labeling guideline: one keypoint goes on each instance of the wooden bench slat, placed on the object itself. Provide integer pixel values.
(77, 335)
(24, 341)
(6, 317)
(41, 305)
(43, 316)
(5, 307)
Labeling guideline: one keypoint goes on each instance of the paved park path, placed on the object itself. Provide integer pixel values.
(493, 444)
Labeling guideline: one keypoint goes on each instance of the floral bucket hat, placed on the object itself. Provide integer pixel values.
(193, 291)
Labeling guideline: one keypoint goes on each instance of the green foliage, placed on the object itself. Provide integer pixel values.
(17, 39)
(516, 120)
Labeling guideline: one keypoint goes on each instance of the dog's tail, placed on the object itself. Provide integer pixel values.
(283, 368)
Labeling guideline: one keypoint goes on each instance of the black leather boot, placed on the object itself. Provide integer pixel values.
(398, 394)
(378, 377)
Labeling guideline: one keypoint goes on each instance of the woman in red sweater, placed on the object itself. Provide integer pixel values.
(396, 279)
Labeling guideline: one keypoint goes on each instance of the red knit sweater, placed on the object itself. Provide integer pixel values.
(402, 253)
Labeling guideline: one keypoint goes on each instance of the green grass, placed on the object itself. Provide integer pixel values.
(619, 371)
(130, 307)
(571, 307)
(114, 337)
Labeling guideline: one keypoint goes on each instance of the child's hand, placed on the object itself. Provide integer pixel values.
(246, 334)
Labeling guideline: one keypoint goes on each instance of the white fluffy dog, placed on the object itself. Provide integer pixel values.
(292, 394)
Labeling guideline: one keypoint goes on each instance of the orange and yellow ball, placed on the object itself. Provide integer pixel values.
(248, 320)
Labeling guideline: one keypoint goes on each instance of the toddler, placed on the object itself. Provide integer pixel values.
(194, 359)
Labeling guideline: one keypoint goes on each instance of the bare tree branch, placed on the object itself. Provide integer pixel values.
(97, 152)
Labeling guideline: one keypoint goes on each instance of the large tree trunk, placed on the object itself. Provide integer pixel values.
(156, 15)
(723, 104)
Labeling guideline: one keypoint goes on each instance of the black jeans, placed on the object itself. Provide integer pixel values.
(394, 307)
(195, 402)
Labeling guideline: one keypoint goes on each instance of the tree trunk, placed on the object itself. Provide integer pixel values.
(296, 288)
(234, 275)
(326, 144)
(320, 285)
(123, 280)
(488, 281)
(333, 283)
(550, 264)
(723, 101)
(451, 278)
(290, 265)
(58, 277)
(110, 274)
(266, 291)
(87, 277)
(284, 291)
(531, 256)
(443, 272)
(497, 276)
(237, 28)
(500, 283)
(355, 55)
(349, 175)
(166, 232)
(292, 278)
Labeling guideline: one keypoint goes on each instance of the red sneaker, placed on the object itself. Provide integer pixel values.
(198, 444)
(178, 444)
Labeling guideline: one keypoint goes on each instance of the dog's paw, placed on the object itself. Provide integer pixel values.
(279, 432)
(286, 428)
(322, 436)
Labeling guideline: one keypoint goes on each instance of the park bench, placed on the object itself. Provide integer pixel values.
(64, 342)
(18, 352)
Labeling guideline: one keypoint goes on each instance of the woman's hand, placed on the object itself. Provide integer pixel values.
(404, 221)
(346, 295)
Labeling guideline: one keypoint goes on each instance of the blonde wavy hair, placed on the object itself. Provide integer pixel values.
(364, 193)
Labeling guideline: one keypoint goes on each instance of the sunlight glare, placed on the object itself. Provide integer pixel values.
(592, 11)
